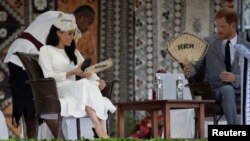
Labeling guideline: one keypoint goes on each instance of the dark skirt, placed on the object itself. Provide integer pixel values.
(22, 97)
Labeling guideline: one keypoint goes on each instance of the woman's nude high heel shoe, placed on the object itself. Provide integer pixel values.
(95, 134)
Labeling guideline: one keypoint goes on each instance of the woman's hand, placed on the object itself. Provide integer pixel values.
(102, 84)
(75, 71)
(78, 71)
(81, 73)
(86, 74)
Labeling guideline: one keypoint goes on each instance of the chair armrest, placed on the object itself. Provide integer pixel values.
(42, 80)
(203, 89)
(107, 91)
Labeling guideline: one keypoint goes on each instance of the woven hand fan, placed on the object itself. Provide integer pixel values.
(187, 48)
(101, 66)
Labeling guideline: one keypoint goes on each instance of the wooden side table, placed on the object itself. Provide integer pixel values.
(165, 106)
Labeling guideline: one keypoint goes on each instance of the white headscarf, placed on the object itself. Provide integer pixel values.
(65, 22)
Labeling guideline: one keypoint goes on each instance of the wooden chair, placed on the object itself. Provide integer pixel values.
(45, 94)
(44, 91)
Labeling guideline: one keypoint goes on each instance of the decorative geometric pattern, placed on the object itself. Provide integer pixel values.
(116, 41)
(156, 23)
(151, 36)
(166, 32)
(169, 25)
(141, 52)
(197, 22)
(216, 5)
(12, 22)
(40, 6)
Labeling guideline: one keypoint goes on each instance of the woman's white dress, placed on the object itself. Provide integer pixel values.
(74, 95)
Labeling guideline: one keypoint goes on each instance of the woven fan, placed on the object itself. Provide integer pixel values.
(187, 48)
(101, 66)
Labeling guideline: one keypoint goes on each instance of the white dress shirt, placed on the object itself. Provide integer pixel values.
(39, 28)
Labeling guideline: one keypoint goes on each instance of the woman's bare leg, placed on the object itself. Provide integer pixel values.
(98, 124)
(103, 125)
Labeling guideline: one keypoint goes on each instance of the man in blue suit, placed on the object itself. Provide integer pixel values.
(223, 73)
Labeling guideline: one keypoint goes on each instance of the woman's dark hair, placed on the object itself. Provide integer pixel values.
(52, 39)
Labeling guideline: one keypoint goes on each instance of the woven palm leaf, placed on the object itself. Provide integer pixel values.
(187, 48)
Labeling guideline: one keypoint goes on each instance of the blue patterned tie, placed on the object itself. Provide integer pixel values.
(227, 56)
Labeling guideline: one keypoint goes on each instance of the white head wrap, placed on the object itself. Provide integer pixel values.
(65, 22)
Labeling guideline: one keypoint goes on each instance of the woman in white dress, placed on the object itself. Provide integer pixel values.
(60, 59)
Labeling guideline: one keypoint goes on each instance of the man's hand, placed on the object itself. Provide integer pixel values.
(187, 70)
(227, 76)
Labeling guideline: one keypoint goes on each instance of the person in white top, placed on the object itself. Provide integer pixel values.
(30, 41)
(60, 60)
